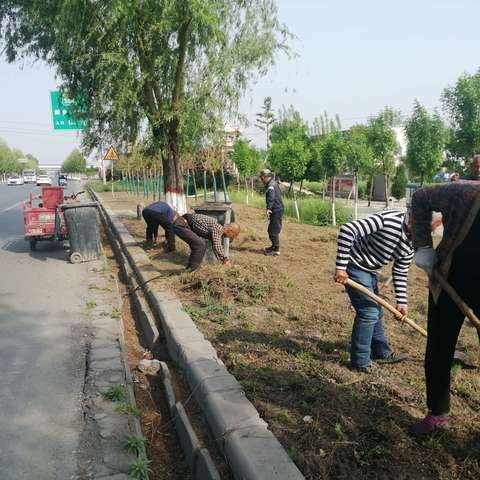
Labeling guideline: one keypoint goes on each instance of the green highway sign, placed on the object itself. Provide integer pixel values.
(62, 112)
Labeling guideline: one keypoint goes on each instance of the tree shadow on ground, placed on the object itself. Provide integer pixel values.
(358, 428)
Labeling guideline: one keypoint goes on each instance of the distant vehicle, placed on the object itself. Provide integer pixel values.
(29, 176)
(43, 180)
(15, 180)
(62, 181)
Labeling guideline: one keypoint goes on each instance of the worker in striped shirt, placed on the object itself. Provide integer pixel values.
(208, 227)
(364, 247)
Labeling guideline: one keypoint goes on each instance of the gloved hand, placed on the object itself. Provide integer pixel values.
(426, 258)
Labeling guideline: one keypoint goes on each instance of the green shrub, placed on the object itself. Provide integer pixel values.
(312, 210)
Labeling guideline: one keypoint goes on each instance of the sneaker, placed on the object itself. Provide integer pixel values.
(272, 253)
(428, 425)
(393, 358)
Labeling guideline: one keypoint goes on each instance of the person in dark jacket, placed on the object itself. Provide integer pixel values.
(274, 204)
(456, 259)
(161, 214)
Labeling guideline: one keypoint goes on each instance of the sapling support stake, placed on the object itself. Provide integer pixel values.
(204, 185)
(224, 184)
(214, 186)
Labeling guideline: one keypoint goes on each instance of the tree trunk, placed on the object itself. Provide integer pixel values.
(355, 204)
(324, 186)
(370, 194)
(387, 203)
(334, 217)
(290, 187)
(301, 186)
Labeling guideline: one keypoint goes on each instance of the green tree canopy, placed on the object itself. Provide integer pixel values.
(333, 153)
(74, 163)
(426, 135)
(400, 181)
(266, 118)
(247, 158)
(290, 152)
(178, 67)
(462, 104)
(359, 154)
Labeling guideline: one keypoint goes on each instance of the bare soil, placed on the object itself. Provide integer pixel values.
(283, 326)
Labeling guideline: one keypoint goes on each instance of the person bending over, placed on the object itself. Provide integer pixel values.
(363, 248)
(208, 228)
(161, 214)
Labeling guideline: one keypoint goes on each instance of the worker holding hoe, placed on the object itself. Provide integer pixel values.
(161, 214)
(363, 248)
(208, 228)
(274, 205)
(456, 259)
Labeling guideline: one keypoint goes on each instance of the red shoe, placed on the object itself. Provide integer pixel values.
(428, 425)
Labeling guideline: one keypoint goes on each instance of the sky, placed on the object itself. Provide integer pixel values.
(353, 58)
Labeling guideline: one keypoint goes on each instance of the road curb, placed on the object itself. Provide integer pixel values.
(252, 451)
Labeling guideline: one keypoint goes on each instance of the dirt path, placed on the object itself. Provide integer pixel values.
(282, 327)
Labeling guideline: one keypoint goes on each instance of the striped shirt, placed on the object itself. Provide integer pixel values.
(374, 241)
(208, 227)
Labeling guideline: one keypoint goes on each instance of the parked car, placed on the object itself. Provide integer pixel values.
(43, 180)
(15, 180)
(62, 180)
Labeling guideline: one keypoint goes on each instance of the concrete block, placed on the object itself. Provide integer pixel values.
(196, 351)
(147, 322)
(187, 437)
(167, 387)
(105, 353)
(113, 364)
(228, 411)
(255, 454)
(204, 467)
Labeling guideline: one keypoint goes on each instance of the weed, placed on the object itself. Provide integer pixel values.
(304, 356)
(296, 456)
(433, 442)
(338, 430)
(115, 393)
(135, 444)
(115, 313)
(92, 286)
(90, 305)
(139, 469)
(129, 409)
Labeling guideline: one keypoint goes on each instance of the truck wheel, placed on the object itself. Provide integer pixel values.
(76, 257)
(33, 245)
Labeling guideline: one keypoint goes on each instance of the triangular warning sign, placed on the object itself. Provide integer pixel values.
(111, 154)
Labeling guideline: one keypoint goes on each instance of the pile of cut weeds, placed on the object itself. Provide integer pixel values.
(282, 327)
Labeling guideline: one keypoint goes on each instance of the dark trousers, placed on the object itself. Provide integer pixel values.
(180, 228)
(197, 244)
(274, 228)
(155, 219)
(444, 323)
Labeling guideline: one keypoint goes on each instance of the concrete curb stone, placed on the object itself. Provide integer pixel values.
(250, 448)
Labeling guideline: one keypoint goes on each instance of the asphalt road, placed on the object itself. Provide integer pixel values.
(42, 345)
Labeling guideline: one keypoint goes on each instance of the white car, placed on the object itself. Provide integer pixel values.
(43, 180)
(15, 180)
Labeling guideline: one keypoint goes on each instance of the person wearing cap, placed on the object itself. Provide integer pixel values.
(161, 214)
(208, 228)
(274, 204)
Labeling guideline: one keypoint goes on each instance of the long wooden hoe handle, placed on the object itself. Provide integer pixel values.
(385, 304)
(464, 308)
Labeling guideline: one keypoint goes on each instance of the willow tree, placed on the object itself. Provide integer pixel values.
(167, 69)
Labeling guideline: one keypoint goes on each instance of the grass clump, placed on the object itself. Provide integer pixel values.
(115, 393)
(129, 409)
(135, 444)
(139, 469)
